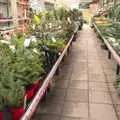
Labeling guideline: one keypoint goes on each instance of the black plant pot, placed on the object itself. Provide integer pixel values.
(75, 36)
(5, 113)
(103, 46)
(80, 27)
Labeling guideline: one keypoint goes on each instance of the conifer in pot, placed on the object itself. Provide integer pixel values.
(11, 92)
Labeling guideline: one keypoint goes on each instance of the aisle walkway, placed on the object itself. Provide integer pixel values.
(84, 89)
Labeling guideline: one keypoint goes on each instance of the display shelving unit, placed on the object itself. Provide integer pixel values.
(22, 10)
(49, 4)
(105, 4)
(6, 21)
(13, 14)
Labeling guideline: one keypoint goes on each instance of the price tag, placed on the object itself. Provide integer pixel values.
(60, 26)
(33, 38)
(112, 39)
(27, 42)
(12, 47)
(59, 53)
(50, 25)
(33, 26)
(53, 39)
(35, 51)
(68, 19)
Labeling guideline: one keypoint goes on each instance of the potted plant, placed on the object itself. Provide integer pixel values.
(11, 92)
(28, 68)
(27, 64)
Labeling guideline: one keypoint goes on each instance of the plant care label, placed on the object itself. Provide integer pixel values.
(33, 26)
(33, 38)
(12, 47)
(53, 39)
(60, 26)
(27, 42)
(68, 19)
(35, 51)
(50, 25)
(112, 39)
(59, 53)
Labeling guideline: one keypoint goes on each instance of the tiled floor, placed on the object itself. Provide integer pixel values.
(84, 89)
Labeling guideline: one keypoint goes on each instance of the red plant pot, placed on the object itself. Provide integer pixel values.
(0, 115)
(37, 85)
(31, 92)
(16, 113)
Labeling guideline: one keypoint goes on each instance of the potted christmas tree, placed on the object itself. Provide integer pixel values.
(11, 92)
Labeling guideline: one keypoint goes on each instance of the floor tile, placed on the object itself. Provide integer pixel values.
(50, 108)
(111, 78)
(97, 78)
(77, 84)
(102, 112)
(71, 118)
(79, 77)
(100, 97)
(56, 96)
(75, 110)
(76, 95)
(115, 97)
(98, 86)
(109, 71)
(46, 117)
(62, 83)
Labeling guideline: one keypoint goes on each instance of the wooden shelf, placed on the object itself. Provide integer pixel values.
(22, 19)
(5, 3)
(22, 3)
(6, 31)
(49, 1)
